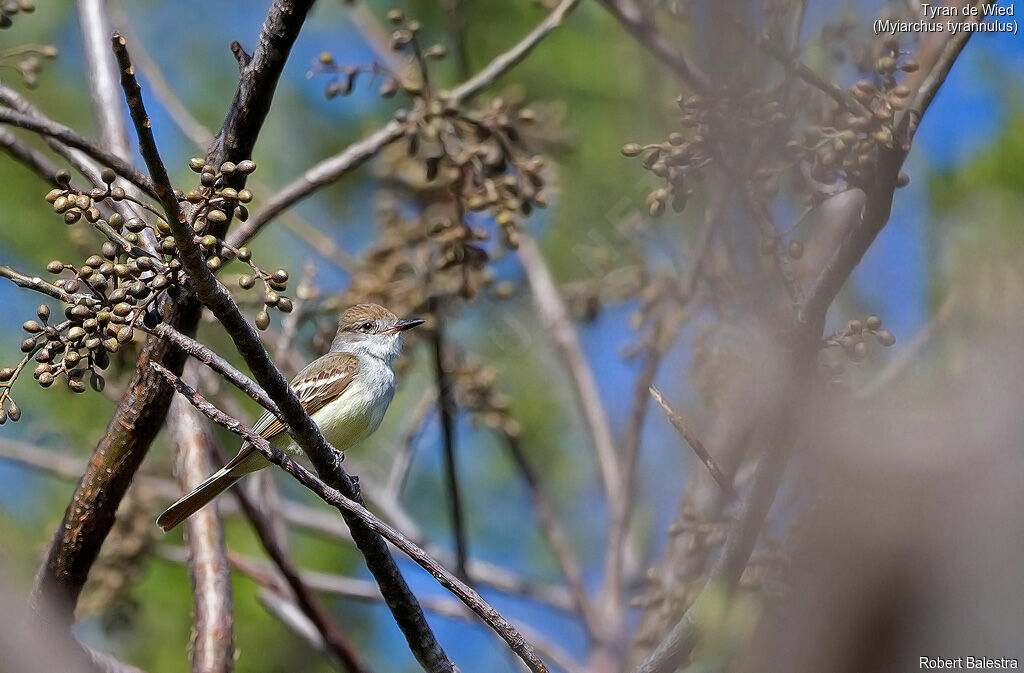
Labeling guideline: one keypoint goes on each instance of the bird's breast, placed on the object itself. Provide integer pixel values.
(359, 410)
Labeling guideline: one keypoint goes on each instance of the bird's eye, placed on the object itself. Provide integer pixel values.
(366, 326)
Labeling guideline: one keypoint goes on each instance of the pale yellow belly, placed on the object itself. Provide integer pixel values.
(348, 420)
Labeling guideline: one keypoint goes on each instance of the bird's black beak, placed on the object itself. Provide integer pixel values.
(403, 325)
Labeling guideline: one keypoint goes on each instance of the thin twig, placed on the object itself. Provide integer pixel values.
(334, 497)
(698, 447)
(446, 409)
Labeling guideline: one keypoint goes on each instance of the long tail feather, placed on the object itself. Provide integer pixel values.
(219, 482)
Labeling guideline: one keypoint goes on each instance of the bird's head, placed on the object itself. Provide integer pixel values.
(373, 330)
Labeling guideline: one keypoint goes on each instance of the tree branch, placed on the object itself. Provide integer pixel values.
(212, 645)
(636, 21)
(28, 156)
(103, 88)
(677, 422)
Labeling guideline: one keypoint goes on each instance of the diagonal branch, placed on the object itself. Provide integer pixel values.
(28, 156)
(69, 137)
(698, 447)
(350, 508)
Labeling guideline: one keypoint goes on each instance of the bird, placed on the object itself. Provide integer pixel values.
(346, 392)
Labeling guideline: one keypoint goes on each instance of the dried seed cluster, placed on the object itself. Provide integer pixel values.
(421, 261)
(481, 154)
(120, 289)
(845, 147)
(682, 159)
(852, 339)
(475, 393)
(212, 201)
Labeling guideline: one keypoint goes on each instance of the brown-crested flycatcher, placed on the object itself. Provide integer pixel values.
(345, 392)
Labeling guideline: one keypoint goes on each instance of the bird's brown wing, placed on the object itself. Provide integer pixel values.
(318, 384)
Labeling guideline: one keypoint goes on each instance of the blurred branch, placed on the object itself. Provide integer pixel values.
(399, 472)
(559, 327)
(99, 68)
(28, 156)
(344, 504)
(509, 59)
(193, 129)
(558, 324)
(725, 575)
(457, 28)
(677, 422)
(212, 644)
(323, 173)
(143, 407)
(640, 25)
(555, 535)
